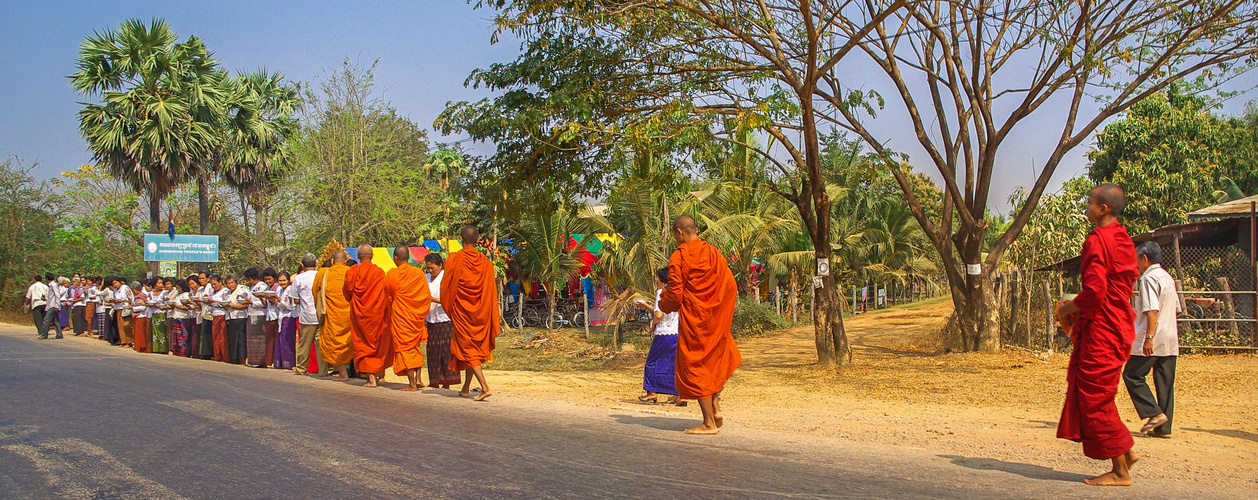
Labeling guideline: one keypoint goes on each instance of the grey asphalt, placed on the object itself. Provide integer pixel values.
(80, 419)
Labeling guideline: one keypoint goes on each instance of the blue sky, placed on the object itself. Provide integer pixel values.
(426, 49)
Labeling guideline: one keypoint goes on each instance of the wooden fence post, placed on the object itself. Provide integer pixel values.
(1049, 309)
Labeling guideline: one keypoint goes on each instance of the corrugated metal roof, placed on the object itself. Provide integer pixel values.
(1228, 210)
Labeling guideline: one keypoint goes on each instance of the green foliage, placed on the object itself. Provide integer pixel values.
(753, 318)
(360, 167)
(1172, 154)
(1057, 229)
(27, 217)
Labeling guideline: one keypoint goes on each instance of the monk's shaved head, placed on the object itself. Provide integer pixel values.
(401, 254)
(364, 253)
(339, 257)
(469, 235)
(1112, 196)
(686, 224)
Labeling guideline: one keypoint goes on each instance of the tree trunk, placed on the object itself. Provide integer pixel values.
(794, 305)
(979, 318)
(203, 214)
(155, 226)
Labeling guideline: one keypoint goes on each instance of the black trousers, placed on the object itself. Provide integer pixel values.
(78, 319)
(1163, 368)
(206, 340)
(237, 349)
(37, 316)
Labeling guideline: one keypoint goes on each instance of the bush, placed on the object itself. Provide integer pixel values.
(753, 318)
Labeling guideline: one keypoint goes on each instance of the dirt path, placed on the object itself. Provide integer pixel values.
(979, 410)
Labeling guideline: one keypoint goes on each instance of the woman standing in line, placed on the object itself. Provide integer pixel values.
(142, 331)
(180, 307)
(238, 301)
(289, 305)
(158, 309)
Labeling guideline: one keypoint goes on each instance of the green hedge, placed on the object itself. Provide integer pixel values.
(753, 318)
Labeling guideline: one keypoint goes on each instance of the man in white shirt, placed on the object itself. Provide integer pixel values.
(308, 319)
(1156, 345)
(440, 329)
(37, 302)
(52, 311)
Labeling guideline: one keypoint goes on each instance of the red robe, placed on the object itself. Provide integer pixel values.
(702, 289)
(1105, 329)
(469, 296)
(369, 318)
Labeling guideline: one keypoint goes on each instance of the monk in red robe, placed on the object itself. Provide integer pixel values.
(1103, 335)
(702, 289)
(369, 317)
(470, 298)
(408, 292)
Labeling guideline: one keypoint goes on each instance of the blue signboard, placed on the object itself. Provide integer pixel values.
(181, 247)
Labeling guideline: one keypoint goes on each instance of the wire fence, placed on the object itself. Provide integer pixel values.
(1217, 298)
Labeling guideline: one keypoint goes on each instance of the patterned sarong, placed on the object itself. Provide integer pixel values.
(255, 340)
(660, 373)
(161, 343)
(439, 372)
(179, 337)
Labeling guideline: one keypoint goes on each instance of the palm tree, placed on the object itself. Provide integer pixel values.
(542, 247)
(257, 133)
(160, 106)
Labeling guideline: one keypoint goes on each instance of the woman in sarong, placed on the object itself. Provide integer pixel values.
(440, 329)
(659, 373)
(180, 308)
(141, 329)
(78, 306)
(158, 309)
(255, 330)
(237, 303)
(290, 309)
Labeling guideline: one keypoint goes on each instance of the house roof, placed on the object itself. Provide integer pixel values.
(1227, 210)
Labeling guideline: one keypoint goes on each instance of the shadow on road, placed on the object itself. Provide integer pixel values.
(1232, 433)
(1024, 470)
(661, 423)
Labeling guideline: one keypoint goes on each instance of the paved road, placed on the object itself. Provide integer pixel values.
(79, 419)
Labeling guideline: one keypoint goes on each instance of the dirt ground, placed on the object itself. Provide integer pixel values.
(975, 409)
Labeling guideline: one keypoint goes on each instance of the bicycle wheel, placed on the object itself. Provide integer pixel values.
(578, 320)
(532, 318)
(513, 322)
(554, 321)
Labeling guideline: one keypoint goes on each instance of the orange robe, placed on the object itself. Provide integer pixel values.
(702, 288)
(369, 318)
(470, 299)
(408, 288)
(334, 331)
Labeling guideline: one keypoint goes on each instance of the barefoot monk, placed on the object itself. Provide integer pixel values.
(702, 289)
(408, 288)
(1105, 330)
(333, 306)
(369, 317)
(469, 298)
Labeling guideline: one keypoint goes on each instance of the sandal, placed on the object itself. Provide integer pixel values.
(1153, 423)
(648, 399)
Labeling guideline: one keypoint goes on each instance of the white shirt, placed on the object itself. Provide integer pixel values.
(257, 306)
(124, 294)
(668, 324)
(221, 296)
(55, 294)
(75, 296)
(239, 296)
(206, 294)
(303, 289)
(273, 312)
(38, 293)
(436, 313)
(1155, 291)
(139, 310)
(105, 295)
(92, 295)
(290, 303)
(175, 312)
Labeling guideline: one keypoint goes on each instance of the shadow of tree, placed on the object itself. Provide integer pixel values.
(1232, 433)
(1024, 470)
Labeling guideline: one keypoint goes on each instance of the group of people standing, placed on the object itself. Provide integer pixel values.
(323, 319)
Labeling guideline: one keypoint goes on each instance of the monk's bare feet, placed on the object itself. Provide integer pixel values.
(1132, 458)
(719, 421)
(483, 395)
(340, 378)
(410, 388)
(702, 430)
(1109, 479)
(465, 394)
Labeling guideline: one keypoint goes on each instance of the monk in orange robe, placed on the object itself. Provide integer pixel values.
(407, 288)
(369, 317)
(1102, 334)
(702, 289)
(469, 297)
(334, 315)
